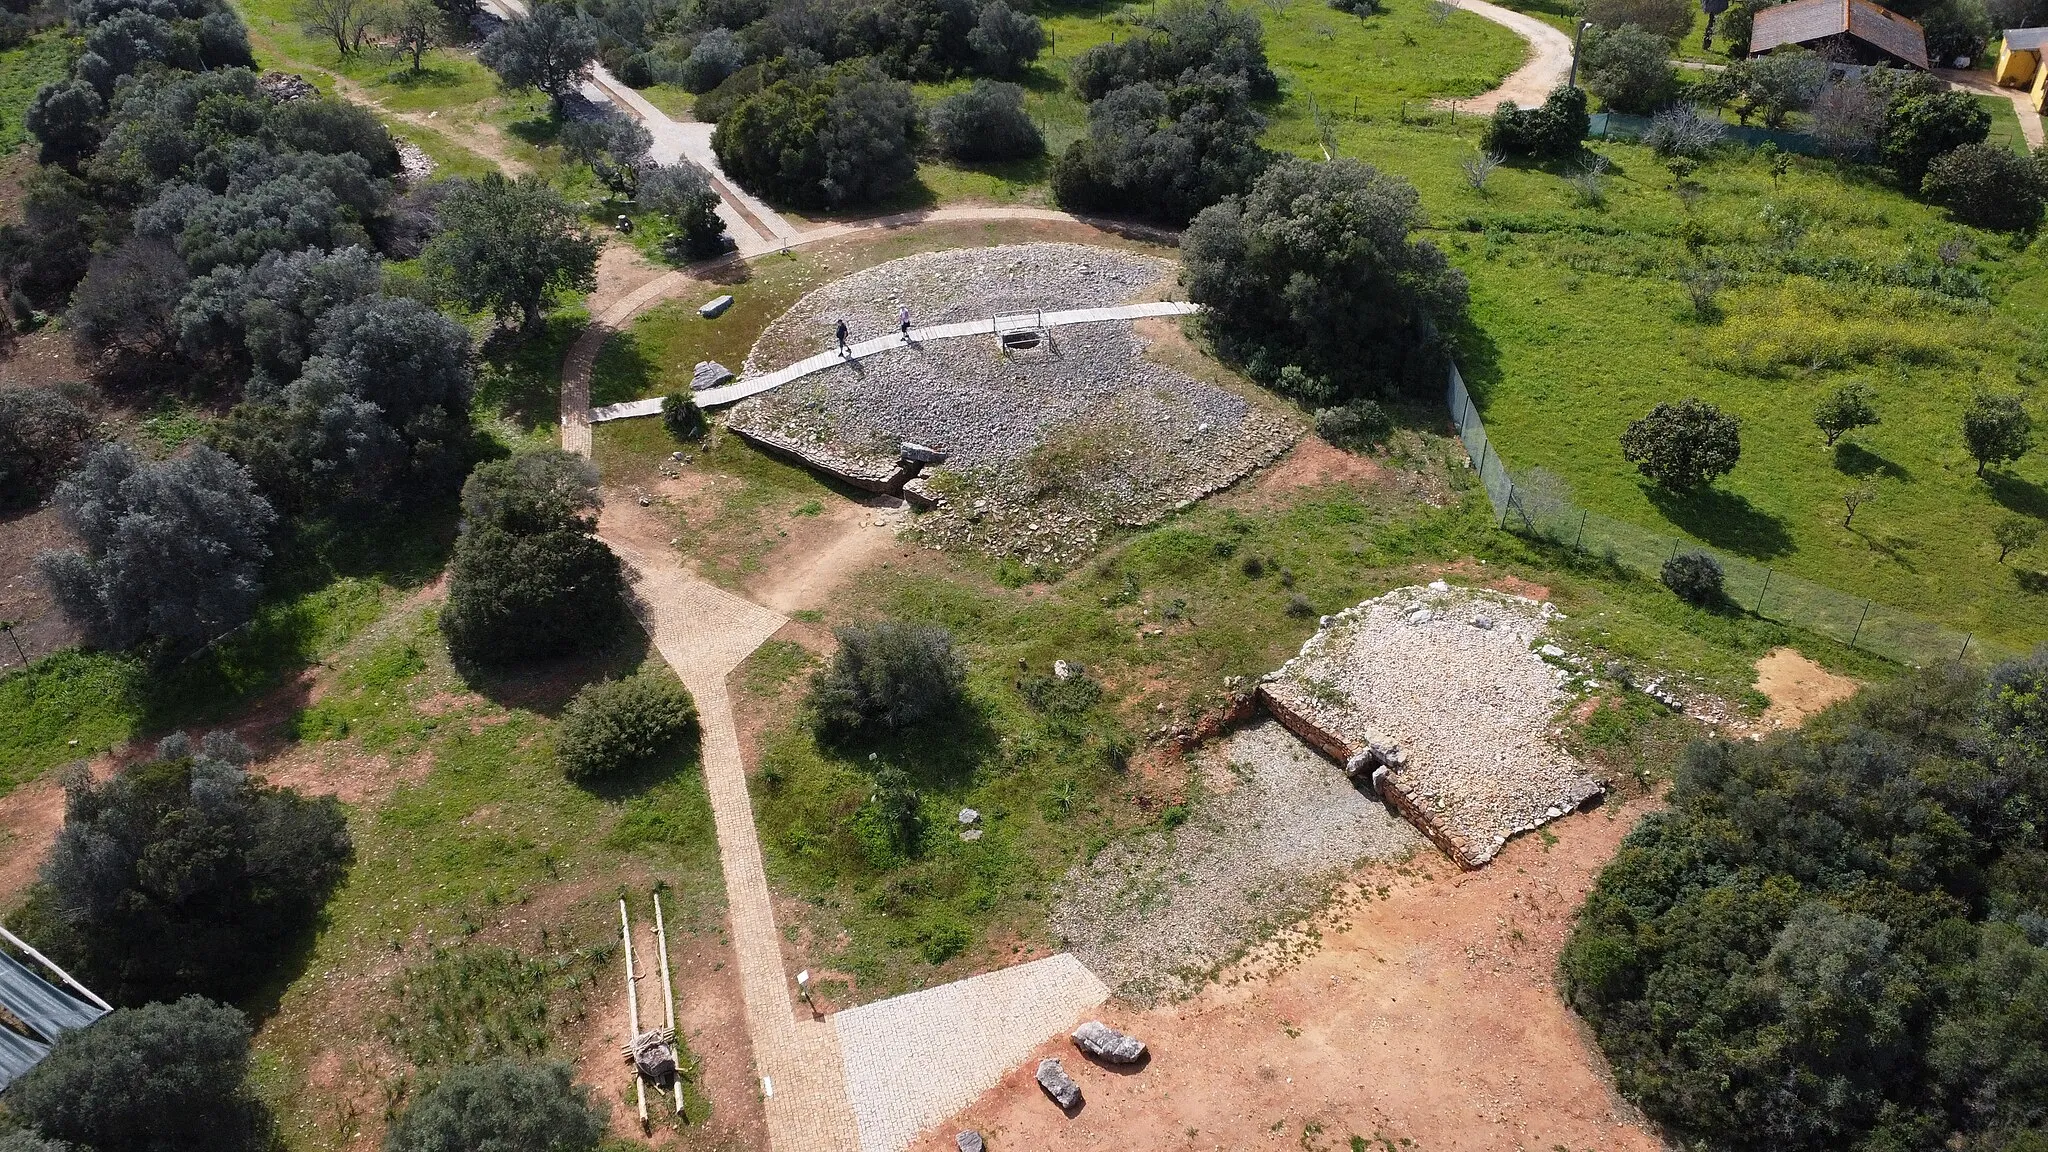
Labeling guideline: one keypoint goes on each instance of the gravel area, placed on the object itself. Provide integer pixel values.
(1471, 707)
(1157, 914)
(1048, 448)
(956, 285)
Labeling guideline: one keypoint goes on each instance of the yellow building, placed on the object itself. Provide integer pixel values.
(2019, 59)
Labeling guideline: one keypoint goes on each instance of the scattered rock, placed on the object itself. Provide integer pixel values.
(921, 454)
(1058, 1085)
(709, 373)
(1439, 586)
(1062, 670)
(1421, 616)
(969, 1142)
(971, 835)
(1483, 622)
(969, 815)
(1105, 1043)
(715, 307)
(285, 87)
(1552, 651)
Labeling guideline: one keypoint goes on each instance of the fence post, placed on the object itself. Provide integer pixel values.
(1759, 609)
(1583, 515)
(1509, 506)
(1966, 645)
(1485, 450)
(1854, 636)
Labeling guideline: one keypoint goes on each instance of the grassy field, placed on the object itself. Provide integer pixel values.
(23, 69)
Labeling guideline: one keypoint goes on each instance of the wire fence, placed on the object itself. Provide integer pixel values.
(1535, 504)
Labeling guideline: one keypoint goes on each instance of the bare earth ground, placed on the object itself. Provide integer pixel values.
(1798, 687)
(1427, 1015)
(24, 534)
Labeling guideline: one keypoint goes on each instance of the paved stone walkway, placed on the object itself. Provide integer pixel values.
(755, 385)
(704, 632)
(912, 1061)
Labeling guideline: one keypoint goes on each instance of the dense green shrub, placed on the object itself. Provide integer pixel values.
(1550, 132)
(618, 724)
(1833, 939)
(510, 245)
(1166, 153)
(1628, 69)
(182, 874)
(1846, 409)
(827, 139)
(986, 122)
(1920, 125)
(886, 677)
(41, 433)
(160, 1078)
(1004, 40)
(716, 56)
(1360, 424)
(501, 1106)
(1198, 37)
(1685, 445)
(683, 419)
(1988, 185)
(1315, 268)
(1668, 20)
(1694, 577)
(528, 579)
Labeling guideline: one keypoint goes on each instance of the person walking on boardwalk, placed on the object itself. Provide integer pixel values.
(903, 321)
(843, 349)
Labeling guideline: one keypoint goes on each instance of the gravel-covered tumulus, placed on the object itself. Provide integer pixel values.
(1047, 448)
(1157, 914)
(1458, 681)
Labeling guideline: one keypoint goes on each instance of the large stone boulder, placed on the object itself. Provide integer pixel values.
(1058, 1085)
(1107, 1044)
(969, 1142)
(709, 374)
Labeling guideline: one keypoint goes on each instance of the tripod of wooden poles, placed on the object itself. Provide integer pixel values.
(633, 1006)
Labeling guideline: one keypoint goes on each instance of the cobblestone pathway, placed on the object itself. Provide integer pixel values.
(704, 632)
(912, 1061)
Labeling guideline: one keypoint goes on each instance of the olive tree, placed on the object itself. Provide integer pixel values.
(509, 245)
(548, 50)
(613, 145)
(41, 433)
(1683, 446)
(1004, 40)
(1628, 68)
(1996, 428)
(501, 1106)
(683, 193)
(1846, 409)
(173, 550)
(985, 122)
(2014, 534)
(886, 677)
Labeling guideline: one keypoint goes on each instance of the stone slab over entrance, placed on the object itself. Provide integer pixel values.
(914, 1060)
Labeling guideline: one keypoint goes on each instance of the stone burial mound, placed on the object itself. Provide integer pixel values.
(1441, 698)
(1026, 442)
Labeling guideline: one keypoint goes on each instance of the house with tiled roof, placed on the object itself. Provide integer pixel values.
(1844, 31)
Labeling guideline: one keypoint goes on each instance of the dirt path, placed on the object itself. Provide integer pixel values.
(704, 633)
(823, 551)
(1429, 1014)
(1549, 62)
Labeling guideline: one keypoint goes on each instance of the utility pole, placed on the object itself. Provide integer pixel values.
(1572, 80)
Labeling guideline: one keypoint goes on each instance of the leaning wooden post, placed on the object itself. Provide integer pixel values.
(632, 1009)
(668, 997)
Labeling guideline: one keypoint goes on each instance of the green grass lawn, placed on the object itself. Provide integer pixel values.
(480, 914)
(45, 56)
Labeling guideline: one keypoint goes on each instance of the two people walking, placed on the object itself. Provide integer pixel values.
(902, 327)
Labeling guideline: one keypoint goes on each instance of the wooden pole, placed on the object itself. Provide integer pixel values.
(668, 997)
(46, 962)
(632, 1007)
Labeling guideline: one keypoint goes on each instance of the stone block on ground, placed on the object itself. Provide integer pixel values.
(969, 1142)
(1105, 1043)
(1057, 1084)
(713, 308)
(709, 374)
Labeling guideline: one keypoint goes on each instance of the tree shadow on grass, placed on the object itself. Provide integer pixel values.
(1725, 520)
(546, 686)
(686, 756)
(1855, 460)
(521, 374)
(622, 371)
(539, 131)
(1478, 359)
(2031, 581)
(942, 752)
(2017, 495)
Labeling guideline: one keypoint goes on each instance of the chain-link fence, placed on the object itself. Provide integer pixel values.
(1536, 504)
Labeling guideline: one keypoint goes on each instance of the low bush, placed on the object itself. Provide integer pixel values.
(1359, 424)
(1694, 577)
(501, 1106)
(986, 122)
(682, 192)
(683, 419)
(619, 724)
(1987, 185)
(886, 677)
(1628, 69)
(41, 434)
(1682, 130)
(1683, 446)
(1550, 132)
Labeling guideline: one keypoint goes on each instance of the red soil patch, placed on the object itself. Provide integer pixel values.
(1797, 687)
(24, 599)
(1485, 576)
(1316, 463)
(1429, 1014)
(30, 817)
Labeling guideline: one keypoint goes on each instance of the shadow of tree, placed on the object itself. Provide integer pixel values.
(638, 779)
(943, 751)
(1727, 520)
(547, 686)
(2017, 495)
(1855, 460)
(622, 371)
